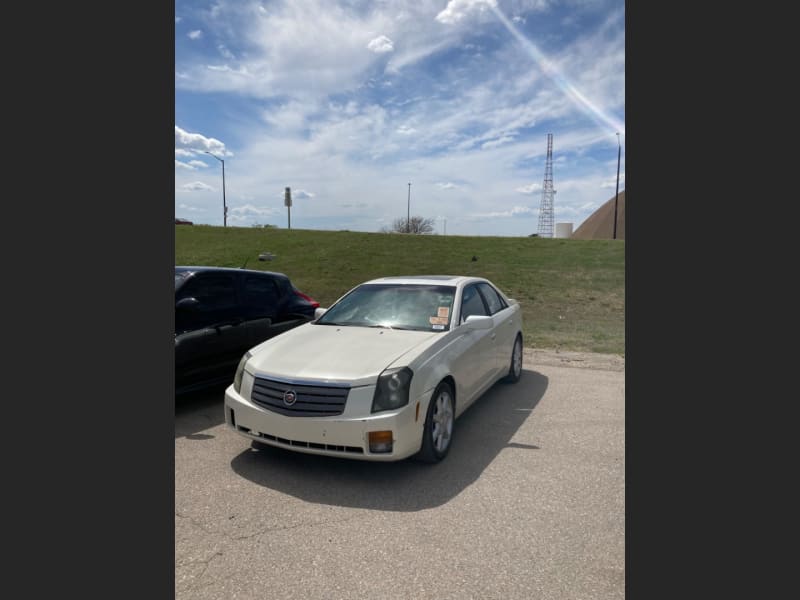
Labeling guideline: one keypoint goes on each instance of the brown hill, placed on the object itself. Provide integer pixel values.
(600, 224)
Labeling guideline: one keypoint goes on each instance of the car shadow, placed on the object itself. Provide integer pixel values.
(480, 434)
(199, 410)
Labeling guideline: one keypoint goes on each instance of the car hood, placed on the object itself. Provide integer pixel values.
(356, 355)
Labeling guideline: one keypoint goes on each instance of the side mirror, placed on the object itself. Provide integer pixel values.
(318, 312)
(479, 322)
(188, 304)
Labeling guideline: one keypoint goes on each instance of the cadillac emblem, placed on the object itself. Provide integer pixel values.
(289, 397)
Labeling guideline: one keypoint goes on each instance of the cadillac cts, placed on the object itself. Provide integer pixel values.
(383, 373)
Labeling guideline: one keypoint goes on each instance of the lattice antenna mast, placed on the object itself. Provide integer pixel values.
(546, 209)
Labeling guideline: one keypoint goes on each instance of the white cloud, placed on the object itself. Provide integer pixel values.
(196, 186)
(531, 188)
(517, 211)
(199, 164)
(243, 71)
(195, 35)
(182, 152)
(247, 210)
(415, 54)
(178, 19)
(223, 50)
(447, 186)
(291, 116)
(406, 130)
(456, 10)
(302, 195)
(182, 165)
(198, 143)
(498, 142)
(191, 208)
(381, 44)
(612, 182)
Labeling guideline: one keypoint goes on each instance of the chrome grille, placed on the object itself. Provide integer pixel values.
(311, 400)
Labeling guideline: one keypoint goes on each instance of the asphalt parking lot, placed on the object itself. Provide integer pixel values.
(530, 502)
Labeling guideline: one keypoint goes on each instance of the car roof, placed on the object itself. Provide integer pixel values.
(209, 269)
(427, 279)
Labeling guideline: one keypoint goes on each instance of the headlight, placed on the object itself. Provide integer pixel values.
(237, 379)
(392, 389)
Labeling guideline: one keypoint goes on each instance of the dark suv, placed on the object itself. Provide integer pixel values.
(221, 313)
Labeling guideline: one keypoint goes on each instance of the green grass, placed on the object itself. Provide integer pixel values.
(572, 292)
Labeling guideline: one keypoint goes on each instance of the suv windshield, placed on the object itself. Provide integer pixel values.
(180, 277)
(394, 306)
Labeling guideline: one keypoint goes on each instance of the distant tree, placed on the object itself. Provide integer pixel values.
(417, 224)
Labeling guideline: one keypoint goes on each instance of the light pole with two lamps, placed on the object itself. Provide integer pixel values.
(616, 196)
(408, 213)
(224, 205)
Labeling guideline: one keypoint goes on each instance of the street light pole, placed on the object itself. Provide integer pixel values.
(408, 214)
(616, 196)
(224, 204)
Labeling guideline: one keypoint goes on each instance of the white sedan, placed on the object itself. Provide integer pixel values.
(383, 373)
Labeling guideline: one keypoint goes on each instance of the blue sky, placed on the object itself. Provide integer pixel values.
(347, 101)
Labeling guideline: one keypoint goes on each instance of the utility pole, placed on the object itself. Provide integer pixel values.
(287, 200)
(616, 196)
(408, 214)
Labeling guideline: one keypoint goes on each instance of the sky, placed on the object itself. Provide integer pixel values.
(346, 102)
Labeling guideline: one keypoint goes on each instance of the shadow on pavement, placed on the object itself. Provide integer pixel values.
(480, 434)
(196, 411)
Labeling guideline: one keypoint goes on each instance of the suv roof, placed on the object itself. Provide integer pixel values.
(206, 269)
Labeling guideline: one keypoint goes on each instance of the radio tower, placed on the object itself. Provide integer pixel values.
(546, 209)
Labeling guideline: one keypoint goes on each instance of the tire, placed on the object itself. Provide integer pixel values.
(437, 435)
(515, 369)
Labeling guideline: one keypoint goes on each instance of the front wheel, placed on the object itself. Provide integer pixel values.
(515, 369)
(438, 432)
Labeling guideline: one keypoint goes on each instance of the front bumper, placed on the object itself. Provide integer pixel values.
(345, 436)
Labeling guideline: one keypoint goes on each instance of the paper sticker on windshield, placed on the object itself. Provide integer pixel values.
(438, 320)
(438, 327)
(444, 311)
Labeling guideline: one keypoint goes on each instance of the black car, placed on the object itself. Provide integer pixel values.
(220, 313)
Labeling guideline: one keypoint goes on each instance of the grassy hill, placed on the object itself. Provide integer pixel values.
(572, 292)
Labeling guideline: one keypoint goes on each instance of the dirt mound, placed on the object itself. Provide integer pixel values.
(586, 360)
(600, 224)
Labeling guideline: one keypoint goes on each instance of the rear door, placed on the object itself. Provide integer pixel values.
(263, 299)
(211, 338)
(505, 327)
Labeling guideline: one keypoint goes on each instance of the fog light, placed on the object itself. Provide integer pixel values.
(380, 441)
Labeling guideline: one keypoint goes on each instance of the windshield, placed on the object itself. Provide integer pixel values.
(394, 306)
(180, 277)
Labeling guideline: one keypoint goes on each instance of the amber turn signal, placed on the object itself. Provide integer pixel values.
(380, 441)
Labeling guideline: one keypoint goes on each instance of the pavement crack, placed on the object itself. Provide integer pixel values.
(195, 523)
(296, 526)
